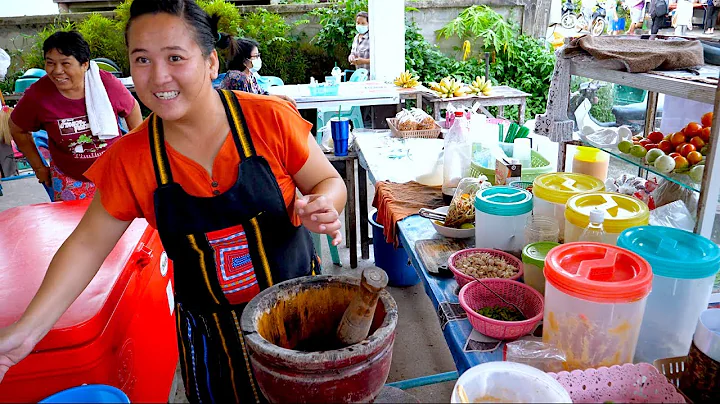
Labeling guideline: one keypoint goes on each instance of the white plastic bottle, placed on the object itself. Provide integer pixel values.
(594, 232)
(457, 155)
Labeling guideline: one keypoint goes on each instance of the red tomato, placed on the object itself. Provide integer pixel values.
(673, 155)
(705, 134)
(697, 142)
(692, 129)
(666, 146)
(651, 146)
(707, 119)
(656, 137)
(645, 141)
(681, 163)
(686, 149)
(677, 138)
(694, 157)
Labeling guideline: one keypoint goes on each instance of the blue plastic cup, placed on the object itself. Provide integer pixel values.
(340, 130)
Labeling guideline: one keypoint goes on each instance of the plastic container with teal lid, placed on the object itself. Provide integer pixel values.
(621, 212)
(533, 259)
(552, 191)
(500, 216)
(684, 266)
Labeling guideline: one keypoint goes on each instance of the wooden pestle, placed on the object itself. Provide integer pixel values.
(355, 324)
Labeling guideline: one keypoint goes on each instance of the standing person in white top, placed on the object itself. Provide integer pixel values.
(683, 17)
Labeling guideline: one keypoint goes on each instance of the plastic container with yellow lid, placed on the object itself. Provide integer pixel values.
(552, 191)
(621, 212)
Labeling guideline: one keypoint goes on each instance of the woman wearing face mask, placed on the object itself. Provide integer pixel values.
(243, 65)
(216, 173)
(360, 52)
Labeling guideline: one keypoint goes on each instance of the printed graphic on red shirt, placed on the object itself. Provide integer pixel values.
(75, 134)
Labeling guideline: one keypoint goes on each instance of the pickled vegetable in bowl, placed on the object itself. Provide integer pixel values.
(484, 265)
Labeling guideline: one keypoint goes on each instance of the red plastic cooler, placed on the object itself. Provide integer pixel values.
(119, 332)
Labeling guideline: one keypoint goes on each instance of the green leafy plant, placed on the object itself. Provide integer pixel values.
(482, 23)
(106, 40)
(34, 57)
(230, 18)
(338, 27)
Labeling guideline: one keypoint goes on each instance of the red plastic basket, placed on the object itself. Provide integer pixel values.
(463, 279)
(475, 296)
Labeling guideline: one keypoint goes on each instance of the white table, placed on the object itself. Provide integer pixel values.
(350, 94)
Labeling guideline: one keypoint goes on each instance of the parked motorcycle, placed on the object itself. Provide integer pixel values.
(569, 16)
(594, 23)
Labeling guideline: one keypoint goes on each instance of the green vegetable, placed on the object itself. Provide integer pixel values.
(500, 313)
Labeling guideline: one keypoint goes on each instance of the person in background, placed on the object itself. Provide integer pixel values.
(360, 51)
(216, 173)
(56, 103)
(611, 16)
(243, 64)
(683, 17)
(657, 11)
(636, 15)
(711, 14)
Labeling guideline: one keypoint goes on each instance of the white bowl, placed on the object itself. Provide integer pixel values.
(449, 231)
(509, 382)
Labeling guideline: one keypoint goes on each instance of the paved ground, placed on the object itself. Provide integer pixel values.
(419, 349)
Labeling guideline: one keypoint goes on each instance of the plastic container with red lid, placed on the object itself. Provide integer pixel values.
(595, 296)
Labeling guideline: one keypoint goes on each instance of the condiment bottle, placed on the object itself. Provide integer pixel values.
(594, 232)
(457, 154)
(355, 324)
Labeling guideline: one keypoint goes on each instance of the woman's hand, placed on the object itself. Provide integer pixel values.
(318, 215)
(351, 59)
(287, 98)
(43, 175)
(15, 345)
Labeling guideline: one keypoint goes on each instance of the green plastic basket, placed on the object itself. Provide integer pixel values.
(540, 165)
(526, 185)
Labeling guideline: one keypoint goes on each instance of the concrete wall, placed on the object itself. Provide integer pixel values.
(431, 16)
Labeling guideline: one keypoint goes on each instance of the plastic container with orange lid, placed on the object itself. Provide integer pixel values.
(595, 296)
(621, 212)
(552, 191)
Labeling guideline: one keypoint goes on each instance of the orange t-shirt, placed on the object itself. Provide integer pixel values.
(125, 175)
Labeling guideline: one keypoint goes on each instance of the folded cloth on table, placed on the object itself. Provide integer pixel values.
(395, 202)
(103, 122)
(639, 55)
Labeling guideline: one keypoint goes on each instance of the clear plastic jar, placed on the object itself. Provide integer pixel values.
(541, 228)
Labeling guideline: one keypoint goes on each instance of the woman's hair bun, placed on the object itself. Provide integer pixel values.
(223, 41)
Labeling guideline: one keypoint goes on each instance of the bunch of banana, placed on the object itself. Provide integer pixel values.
(407, 80)
(481, 86)
(449, 87)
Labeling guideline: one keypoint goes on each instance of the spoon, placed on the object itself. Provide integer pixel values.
(501, 298)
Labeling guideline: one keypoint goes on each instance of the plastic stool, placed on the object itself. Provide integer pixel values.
(354, 114)
(334, 254)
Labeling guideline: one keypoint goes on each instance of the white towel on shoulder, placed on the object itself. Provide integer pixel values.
(103, 122)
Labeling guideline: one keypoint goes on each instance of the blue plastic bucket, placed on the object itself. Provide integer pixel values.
(89, 393)
(394, 261)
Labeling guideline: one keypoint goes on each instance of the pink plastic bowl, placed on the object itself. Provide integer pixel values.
(475, 296)
(463, 279)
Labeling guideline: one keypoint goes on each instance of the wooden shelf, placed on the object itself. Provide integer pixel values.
(691, 90)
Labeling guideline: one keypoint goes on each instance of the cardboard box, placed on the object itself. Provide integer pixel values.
(507, 171)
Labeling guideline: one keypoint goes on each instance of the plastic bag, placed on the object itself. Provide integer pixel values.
(631, 185)
(674, 214)
(424, 121)
(535, 353)
(668, 192)
(326, 144)
(406, 120)
(462, 208)
(4, 63)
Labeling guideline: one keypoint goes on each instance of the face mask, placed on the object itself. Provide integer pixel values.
(256, 65)
(362, 29)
